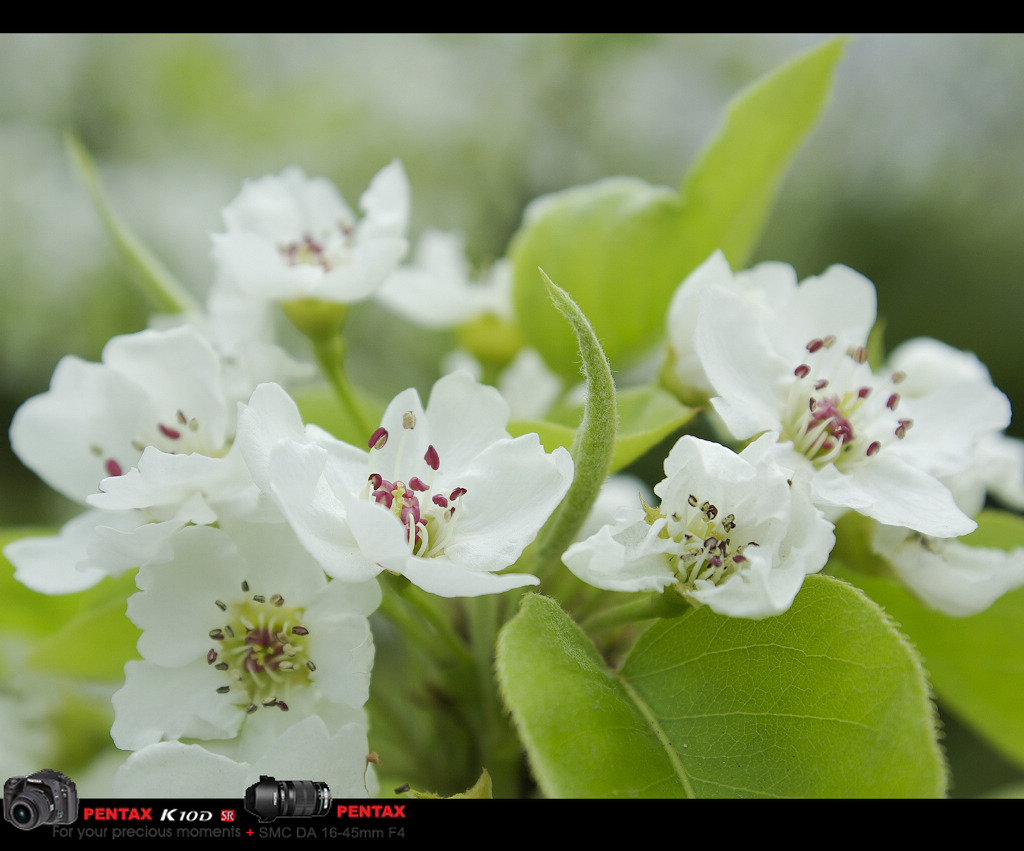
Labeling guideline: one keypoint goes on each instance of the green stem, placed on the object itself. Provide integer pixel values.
(152, 277)
(330, 352)
(432, 627)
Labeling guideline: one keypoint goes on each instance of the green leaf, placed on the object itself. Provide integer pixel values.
(595, 438)
(826, 700)
(150, 273)
(621, 247)
(976, 663)
(730, 190)
(614, 246)
(646, 416)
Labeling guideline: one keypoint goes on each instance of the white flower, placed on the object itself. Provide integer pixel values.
(144, 438)
(241, 331)
(731, 533)
(289, 237)
(792, 360)
(949, 575)
(236, 625)
(941, 375)
(770, 292)
(526, 384)
(445, 496)
(307, 750)
(436, 290)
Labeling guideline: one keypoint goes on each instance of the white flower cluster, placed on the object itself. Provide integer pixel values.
(913, 446)
(258, 539)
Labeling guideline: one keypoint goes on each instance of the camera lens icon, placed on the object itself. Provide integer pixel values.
(46, 797)
(271, 798)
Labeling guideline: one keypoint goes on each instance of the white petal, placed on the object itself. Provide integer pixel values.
(627, 556)
(176, 770)
(445, 578)
(172, 703)
(315, 513)
(955, 578)
(892, 492)
(741, 364)
(386, 203)
(56, 564)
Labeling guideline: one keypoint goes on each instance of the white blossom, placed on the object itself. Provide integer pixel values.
(437, 291)
(444, 497)
(792, 359)
(730, 533)
(948, 574)
(145, 439)
(237, 625)
(291, 237)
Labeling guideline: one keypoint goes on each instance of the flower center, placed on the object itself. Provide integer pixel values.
(837, 410)
(262, 649)
(707, 551)
(427, 513)
(328, 251)
(182, 436)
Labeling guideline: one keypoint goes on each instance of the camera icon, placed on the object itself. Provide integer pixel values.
(46, 797)
(271, 798)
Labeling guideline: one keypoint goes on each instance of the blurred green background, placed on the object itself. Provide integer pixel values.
(915, 176)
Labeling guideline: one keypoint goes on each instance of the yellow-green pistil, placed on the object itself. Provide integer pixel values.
(262, 649)
(706, 548)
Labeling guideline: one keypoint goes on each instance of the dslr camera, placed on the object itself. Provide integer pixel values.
(46, 797)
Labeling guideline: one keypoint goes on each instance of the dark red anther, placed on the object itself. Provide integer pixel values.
(172, 433)
(893, 401)
(455, 494)
(802, 371)
(417, 484)
(439, 500)
(378, 438)
(433, 461)
(113, 468)
(873, 448)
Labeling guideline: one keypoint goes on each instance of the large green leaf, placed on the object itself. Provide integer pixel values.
(646, 416)
(621, 247)
(976, 663)
(826, 700)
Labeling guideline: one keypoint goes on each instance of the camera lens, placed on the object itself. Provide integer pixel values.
(22, 814)
(31, 808)
(271, 798)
